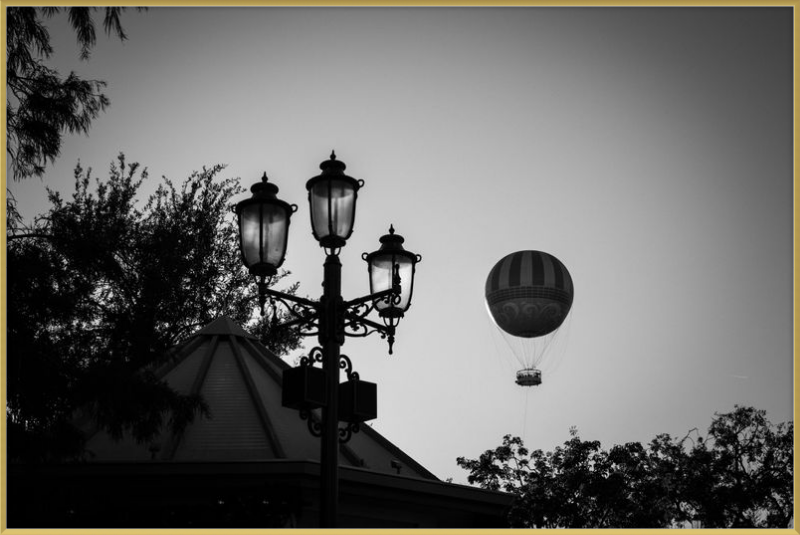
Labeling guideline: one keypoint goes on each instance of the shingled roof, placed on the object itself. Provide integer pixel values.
(240, 380)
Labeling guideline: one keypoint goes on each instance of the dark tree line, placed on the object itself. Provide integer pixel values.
(102, 288)
(740, 475)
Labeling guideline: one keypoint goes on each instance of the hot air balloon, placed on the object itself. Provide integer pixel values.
(528, 295)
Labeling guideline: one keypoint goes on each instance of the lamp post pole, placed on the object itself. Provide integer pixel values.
(331, 340)
(263, 232)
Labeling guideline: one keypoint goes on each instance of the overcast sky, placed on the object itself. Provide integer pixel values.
(649, 149)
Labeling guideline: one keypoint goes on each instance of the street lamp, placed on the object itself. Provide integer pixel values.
(386, 264)
(263, 230)
(332, 198)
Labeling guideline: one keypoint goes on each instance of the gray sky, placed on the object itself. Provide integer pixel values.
(649, 149)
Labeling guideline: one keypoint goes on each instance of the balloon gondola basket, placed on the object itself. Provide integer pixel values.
(529, 377)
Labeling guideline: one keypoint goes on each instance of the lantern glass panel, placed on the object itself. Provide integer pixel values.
(332, 208)
(381, 278)
(263, 229)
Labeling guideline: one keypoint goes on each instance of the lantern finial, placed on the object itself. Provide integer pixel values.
(333, 155)
(391, 229)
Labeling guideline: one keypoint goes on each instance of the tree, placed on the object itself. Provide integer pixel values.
(739, 476)
(102, 290)
(579, 485)
(42, 105)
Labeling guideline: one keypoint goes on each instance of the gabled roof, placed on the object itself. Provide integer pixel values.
(240, 380)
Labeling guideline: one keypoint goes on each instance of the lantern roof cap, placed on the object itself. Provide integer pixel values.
(392, 238)
(264, 188)
(333, 169)
(393, 244)
(333, 165)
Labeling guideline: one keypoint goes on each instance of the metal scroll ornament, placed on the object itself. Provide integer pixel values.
(314, 425)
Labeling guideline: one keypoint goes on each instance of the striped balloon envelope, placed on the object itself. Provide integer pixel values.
(529, 293)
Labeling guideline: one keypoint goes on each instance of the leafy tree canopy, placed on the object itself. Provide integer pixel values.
(102, 289)
(739, 476)
(41, 105)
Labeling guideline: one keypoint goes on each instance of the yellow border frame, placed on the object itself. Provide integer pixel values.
(404, 3)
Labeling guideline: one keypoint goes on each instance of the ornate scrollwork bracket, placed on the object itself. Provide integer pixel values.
(346, 433)
(347, 365)
(357, 324)
(305, 313)
(314, 427)
(314, 356)
(364, 327)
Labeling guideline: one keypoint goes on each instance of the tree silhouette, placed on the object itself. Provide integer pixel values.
(103, 289)
(41, 105)
(740, 475)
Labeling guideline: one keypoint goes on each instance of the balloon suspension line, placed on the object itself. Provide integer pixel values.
(525, 414)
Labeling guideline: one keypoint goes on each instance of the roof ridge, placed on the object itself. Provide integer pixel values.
(224, 325)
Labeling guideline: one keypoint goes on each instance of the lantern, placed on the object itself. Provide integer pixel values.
(332, 198)
(388, 266)
(263, 228)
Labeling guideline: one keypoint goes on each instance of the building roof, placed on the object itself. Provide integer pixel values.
(240, 380)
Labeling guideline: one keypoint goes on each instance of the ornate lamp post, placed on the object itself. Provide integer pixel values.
(263, 231)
